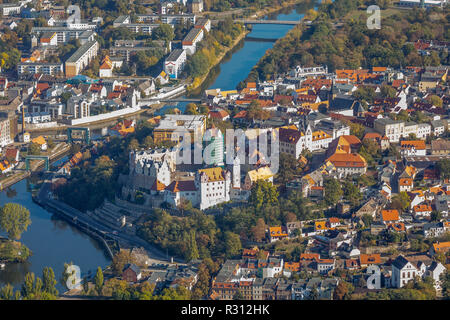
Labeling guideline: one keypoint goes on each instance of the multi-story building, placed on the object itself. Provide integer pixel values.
(39, 67)
(125, 48)
(413, 148)
(63, 34)
(177, 124)
(81, 58)
(214, 186)
(79, 107)
(204, 24)
(175, 62)
(405, 270)
(196, 6)
(5, 131)
(348, 164)
(192, 38)
(393, 129)
(423, 130)
(9, 9)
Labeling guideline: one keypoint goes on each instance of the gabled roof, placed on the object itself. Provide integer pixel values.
(400, 262)
(133, 267)
(373, 258)
(390, 215)
(289, 135)
(417, 144)
(213, 174)
(178, 186)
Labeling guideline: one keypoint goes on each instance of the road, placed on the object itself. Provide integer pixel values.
(44, 198)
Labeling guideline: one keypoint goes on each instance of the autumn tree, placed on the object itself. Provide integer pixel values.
(14, 220)
(259, 230)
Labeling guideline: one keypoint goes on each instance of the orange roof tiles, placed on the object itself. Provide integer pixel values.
(177, 186)
(417, 144)
(309, 256)
(422, 208)
(441, 246)
(347, 160)
(320, 225)
(366, 259)
(405, 182)
(277, 232)
(390, 215)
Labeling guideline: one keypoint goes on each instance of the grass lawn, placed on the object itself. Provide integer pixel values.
(363, 15)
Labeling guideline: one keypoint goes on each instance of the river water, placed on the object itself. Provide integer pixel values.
(53, 241)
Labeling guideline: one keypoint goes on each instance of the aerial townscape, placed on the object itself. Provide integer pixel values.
(224, 150)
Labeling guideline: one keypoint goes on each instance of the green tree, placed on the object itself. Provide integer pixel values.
(14, 220)
(49, 281)
(263, 193)
(163, 32)
(7, 292)
(98, 280)
(233, 244)
(435, 101)
(333, 191)
(444, 168)
(34, 149)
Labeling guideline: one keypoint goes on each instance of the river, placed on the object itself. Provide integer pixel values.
(53, 241)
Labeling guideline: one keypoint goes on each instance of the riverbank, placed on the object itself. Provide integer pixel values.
(198, 82)
(13, 251)
(259, 13)
(34, 165)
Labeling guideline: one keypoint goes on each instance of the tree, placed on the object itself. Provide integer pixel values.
(400, 201)
(341, 291)
(388, 91)
(34, 149)
(49, 281)
(444, 168)
(7, 292)
(352, 193)
(163, 32)
(192, 250)
(119, 261)
(191, 108)
(259, 230)
(98, 280)
(435, 101)
(233, 244)
(333, 191)
(263, 193)
(436, 215)
(14, 220)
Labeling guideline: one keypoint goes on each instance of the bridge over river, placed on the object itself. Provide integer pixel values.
(278, 22)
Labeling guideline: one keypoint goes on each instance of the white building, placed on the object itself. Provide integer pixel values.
(404, 271)
(214, 186)
(423, 130)
(192, 38)
(39, 67)
(9, 9)
(5, 132)
(81, 58)
(392, 129)
(175, 62)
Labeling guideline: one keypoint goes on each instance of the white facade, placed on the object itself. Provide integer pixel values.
(174, 64)
(423, 130)
(5, 132)
(213, 192)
